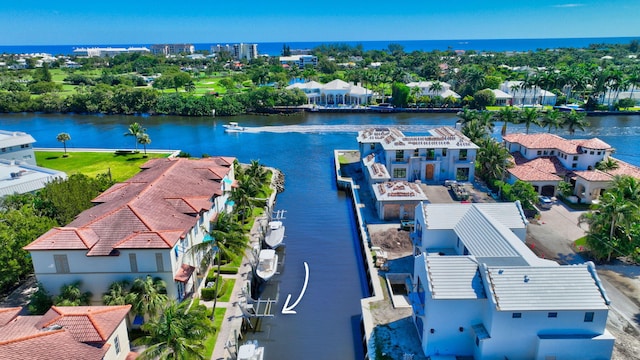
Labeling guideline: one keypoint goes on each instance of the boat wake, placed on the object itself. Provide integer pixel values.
(320, 129)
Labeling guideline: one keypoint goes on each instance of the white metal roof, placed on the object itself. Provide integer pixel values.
(26, 178)
(14, 138)
(454, 277)
(569, 287)
(446, 216)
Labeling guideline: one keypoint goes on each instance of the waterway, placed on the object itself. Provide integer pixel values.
(319, 221)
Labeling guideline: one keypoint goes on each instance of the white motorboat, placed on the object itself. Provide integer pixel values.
(267, 264)
(275, 234)
(251, 351)
(383, 107)
(233, 126)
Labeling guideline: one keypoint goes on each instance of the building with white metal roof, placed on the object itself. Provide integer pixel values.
(18, 146)
(478, 291)
(20, 178)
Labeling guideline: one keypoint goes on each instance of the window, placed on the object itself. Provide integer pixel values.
(588, 316)
(462, 174)
(62, 264)
(591, 153)
(444, 152)
(400, 173)
(399, 155)
(159, 262)
(431, 154)
(574, 165)
(516, 315)
(575, 158)
(372, 146)
(539, 152)
(133, 261)
(598, 152)
(552, 152)
(552, 315)
(116, 342)
(463, 154)
(416, 152)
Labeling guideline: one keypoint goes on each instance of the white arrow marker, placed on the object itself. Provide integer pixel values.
(286, 309)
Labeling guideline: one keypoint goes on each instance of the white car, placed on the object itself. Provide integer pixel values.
(545, 202)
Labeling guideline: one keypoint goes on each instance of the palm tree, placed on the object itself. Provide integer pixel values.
(530, 116)
(136, 131)
(117, 293)
(487, 120)
(475, 131)
(575, 120)
(147, 296)
(493, 160)
(228, 241)
(63, 138)
(435, 88)
(71, 295)
(467, 116)
(257, 172)
(552, 119)
(144, 140)
(415, 93)
(608, 164)
(177, 333)
(508, 115)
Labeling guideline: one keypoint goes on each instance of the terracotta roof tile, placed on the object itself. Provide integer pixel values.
(625, 168)
(184, 273)
(93, 324)
(162, 200)
(46, 345)
(593, 175)
(8, 314)
(552, 141)
(546, 168)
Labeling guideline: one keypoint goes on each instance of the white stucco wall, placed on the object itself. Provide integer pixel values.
(123, 338)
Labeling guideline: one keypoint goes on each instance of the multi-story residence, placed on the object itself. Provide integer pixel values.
(108, 51)
(237, 51)
(18, 171)
(546, 159)
(444, 154)
(479, 292)
(301, 61)
(66, 332)
(394, 164)
(172, 49)
(143, 226)
(17, 145)
(334, 93)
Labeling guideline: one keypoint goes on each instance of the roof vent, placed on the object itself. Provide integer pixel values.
(500, 271)
(526, 278)
(53, 327)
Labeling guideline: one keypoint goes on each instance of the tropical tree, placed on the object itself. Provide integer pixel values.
(466, 116)
(508, 115)
(144, 140)
(608, 164)
(552, 119)
(228, 241)
(575, 120)
(117, 293)
(63, 138)
(147, 296)
(71, 295)
(135, 130)
(492, 160)
(475, 131)
(530, 116)
(177, 333)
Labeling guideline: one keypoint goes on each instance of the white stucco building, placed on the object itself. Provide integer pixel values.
(334, 93)
(479, 292)
(143, 226)
(529, 96)
(17, 146)
(434, 88)
(301, 60)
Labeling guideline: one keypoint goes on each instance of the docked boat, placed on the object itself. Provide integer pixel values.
(251, 351)
(382, 107)
(267, 264)
(233, 126)
(569, 108)
(275, 234)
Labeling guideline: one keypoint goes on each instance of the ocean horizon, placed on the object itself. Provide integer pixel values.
(275, 48)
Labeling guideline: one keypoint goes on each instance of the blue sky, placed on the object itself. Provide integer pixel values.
(61, 22)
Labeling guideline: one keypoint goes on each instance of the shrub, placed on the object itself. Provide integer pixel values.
(207, 294)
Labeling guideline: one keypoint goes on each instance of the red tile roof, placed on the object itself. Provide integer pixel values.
(552, 141)
(62, 333)
(625, 169)
(8, 314)
(184, 273)
(546, 168)
(155, 208)
(594, 175)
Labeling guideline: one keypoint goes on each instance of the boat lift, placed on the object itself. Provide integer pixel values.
(256, 309)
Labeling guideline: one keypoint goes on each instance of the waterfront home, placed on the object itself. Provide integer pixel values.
(532, 95)
(434, 88)
(546, 159)
(66, 332)
(502, 98)
(18, 171)
(301, 60)
(397, 199)
(143, 226)
(334, 93)
(17, 146)
(478, 291)
(442, 154)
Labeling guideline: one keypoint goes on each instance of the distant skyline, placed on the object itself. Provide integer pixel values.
(148, 22)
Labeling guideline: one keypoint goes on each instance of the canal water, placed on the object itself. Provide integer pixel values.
(319, 222)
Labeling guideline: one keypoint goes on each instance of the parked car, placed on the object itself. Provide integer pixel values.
(545, 202)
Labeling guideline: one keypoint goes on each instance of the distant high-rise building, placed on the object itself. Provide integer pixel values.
(238, 51)
(172, 49)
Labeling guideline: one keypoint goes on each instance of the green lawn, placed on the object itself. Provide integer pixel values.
(122, 167)
(210, 342)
